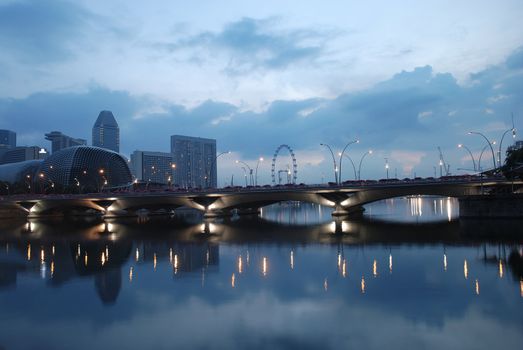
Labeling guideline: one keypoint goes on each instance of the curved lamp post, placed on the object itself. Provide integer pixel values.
(488, 142)
(215, 166)
(341, 156)
(387, 166)
(361, 161)
(353, 166)
(250, 172)
(256, 171)
(471, 156)
(501, 143)
(333, 161)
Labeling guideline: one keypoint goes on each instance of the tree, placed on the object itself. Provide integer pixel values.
(513, 167)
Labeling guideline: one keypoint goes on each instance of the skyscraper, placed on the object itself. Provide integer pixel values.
(7, 139)
(195, 160)
(106, 133)
(155, 167)
(60, 141)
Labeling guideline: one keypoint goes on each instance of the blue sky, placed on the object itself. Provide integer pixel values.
(403, 77)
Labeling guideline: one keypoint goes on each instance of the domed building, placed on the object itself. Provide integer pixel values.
(91, 169)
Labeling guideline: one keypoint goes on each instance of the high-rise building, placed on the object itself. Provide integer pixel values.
(60, 141)
(7, 139)
(20, 154)
(155, 167)
(195, 160)
(106, 133)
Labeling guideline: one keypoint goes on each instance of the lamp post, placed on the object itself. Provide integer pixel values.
(353, 167)
(215, 166)
(489, 143)
(471, 156)
(343, 152)
(250, 172)
(333, 161)
(361, 161)
(256, 171)
(501, 143)
(387, 167)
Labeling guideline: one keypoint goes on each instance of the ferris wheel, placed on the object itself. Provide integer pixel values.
(293, 173)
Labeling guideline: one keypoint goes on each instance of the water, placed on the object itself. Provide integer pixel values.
(408, 274)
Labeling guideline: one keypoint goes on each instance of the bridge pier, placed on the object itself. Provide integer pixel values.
(347, 211)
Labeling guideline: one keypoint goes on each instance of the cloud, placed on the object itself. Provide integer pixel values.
(40, 32)
(392, 115)
(252, 43)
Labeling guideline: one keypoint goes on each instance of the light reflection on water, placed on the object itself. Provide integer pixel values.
(256, 283)
(405, 209)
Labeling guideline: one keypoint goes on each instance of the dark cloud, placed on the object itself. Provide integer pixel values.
(252, 43)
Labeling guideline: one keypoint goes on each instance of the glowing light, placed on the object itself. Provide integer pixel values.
(233, 280)
(240, 264)
(521, 288)
(344, 268)
(477, 287)
(292, 260)
(500, 267)
(28, 252)
(42, 255)
(137, 255)
(52, 269)
(207, 257)
(248, 258)
(390, 263)
(154, 261)
(102, 259)
(106, 253)
(445, 262)
(86, 259)
(449, 209)
(362, 285)
(325, 284)
(465, 269)
(175, 265)
(52, 250)
(375, 268)
(264, 266)
(78, 253)
(339, 260)
(170, 255)
(131, 274)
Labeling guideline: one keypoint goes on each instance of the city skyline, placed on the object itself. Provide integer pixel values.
(254, 80)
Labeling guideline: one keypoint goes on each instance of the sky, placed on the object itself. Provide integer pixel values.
(403, 77)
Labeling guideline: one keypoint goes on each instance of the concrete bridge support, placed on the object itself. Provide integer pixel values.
(340, 210)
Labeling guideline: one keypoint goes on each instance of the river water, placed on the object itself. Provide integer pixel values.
(408, 274)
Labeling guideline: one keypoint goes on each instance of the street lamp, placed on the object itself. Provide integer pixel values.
(387, 167)
(501, 142)
(361, 161)
(215, 165)
(342, 152)
(353, 167)
(471, 156)
(251, 180)
(333, 161)
(256, 171)
(488, 142)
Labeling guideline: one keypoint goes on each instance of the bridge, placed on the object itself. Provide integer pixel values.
(345, 200)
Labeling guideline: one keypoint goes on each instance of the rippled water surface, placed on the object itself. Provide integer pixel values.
(407, 274)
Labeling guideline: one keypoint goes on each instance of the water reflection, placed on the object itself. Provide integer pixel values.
(164, 269)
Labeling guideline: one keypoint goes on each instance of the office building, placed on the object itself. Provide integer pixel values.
(195, 160)
(154, 167)
(20, 154)
(7, 139)
(60, 141)
(106, 133)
